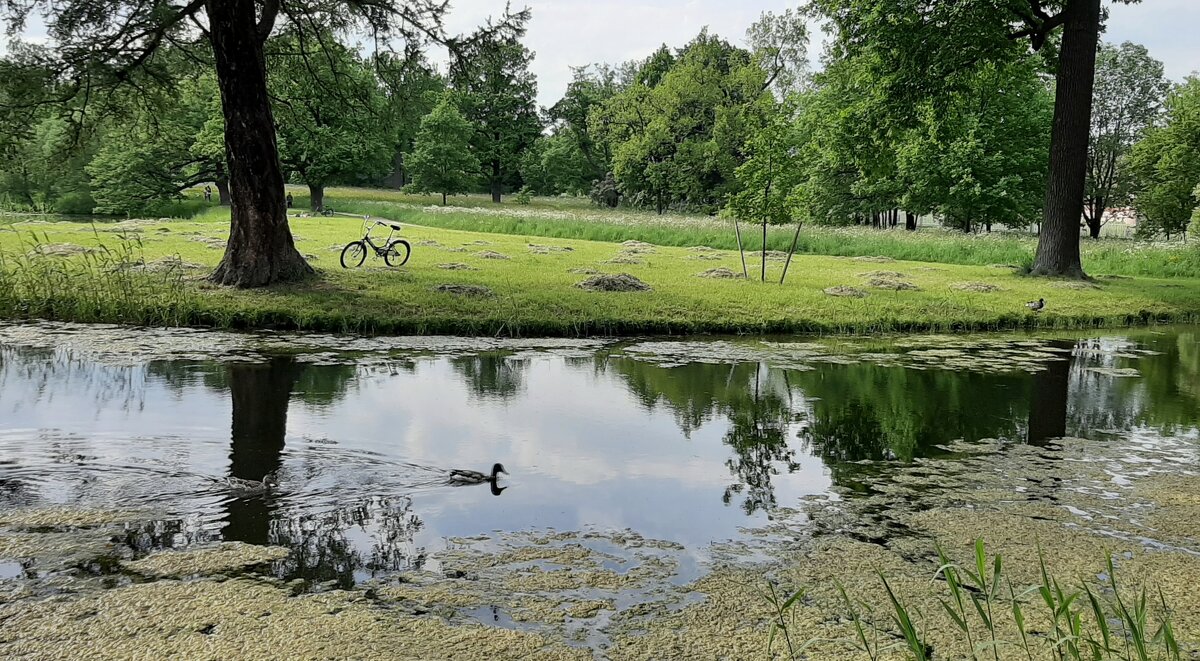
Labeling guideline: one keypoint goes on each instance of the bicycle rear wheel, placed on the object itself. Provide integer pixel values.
(397, 253)
(353, 255)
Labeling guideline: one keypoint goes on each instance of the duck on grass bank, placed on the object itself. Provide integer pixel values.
(1036, 306)
(461, 477)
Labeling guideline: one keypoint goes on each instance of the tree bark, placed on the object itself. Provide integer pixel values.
(222, 183)
(316, 197)
(1058, 247)
(764, 252)
(443, 199)
(496, 182)
(1095, 220)
(260, 249)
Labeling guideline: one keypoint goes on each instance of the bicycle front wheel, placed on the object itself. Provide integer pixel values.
(353, 255)
(397, 253)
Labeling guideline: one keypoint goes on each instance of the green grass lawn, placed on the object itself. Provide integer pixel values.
(534, 289)
(575, 218)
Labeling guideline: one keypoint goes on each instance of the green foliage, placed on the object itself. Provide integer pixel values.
(412, 88)
(586, 94)
(496, 92)
(848, 160)
(1128, 99)
(770, 175)
(554, 165)
(979, 156)
(441, 160)
(45, 168)
(677, 134)
(780, 46)
(1166, 165)
(523, 196)
(158, 153)
(329, 114)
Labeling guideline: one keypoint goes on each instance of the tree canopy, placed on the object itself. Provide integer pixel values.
(1165, 165)
(441, 160)
(1130, 90)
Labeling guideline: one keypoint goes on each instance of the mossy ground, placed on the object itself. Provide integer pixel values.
(612, 595)
(534, 284)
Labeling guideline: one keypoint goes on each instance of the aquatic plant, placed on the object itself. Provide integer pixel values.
(1085, 622)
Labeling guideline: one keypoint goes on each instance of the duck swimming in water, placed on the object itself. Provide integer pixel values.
(460, 477)
(244, 486)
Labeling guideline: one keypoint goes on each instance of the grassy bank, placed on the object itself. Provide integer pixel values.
(568, 218)
(82, 271)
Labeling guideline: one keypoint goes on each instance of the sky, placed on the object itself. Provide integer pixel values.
(566, 33)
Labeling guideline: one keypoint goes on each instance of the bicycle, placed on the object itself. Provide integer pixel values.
(394, 253)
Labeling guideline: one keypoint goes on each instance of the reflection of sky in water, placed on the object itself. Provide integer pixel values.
(607, 443)
(581, 450)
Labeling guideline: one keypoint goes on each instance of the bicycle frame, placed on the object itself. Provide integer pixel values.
(379, 249)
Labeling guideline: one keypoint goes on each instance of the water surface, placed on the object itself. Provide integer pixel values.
(691, 443)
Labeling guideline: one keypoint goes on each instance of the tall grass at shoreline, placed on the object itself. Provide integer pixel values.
(105, 283)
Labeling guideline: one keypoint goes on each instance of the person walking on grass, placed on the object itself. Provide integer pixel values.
(208, 193)
(289, 200)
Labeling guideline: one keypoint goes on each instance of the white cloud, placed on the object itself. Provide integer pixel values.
(567, 33)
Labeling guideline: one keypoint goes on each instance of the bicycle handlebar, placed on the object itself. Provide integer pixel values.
(377, 223)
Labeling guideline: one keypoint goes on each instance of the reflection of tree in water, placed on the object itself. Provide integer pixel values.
(491, 375)
(758, 434)
(871, 412)
(29, 376)
(755, 400)
(1048, 400)
(320, 549)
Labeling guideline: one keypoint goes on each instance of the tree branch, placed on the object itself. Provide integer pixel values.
(266, 22)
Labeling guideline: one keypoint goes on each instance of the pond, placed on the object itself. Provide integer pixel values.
(675, 456)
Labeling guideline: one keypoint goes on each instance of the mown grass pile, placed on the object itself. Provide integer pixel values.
(150, 272)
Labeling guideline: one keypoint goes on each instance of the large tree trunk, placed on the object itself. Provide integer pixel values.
(496, 182)
(910, 221)
(260, 249)
(1058, 247)
(316, 197)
